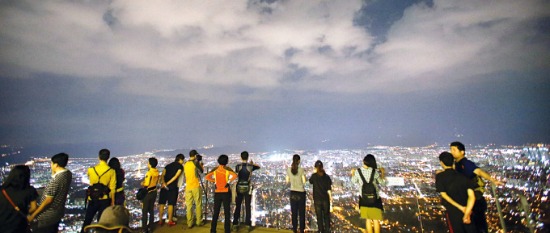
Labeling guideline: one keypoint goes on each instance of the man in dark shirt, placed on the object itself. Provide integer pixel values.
(474, 173)
(169, 190)
(457, 195)
(322, 196)
(244, 171)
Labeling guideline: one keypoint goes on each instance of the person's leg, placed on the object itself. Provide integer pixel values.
(161, 213)
(319, 214)
(326, 212)
(145, 211)
(294, 211)
(376, 224)
(369, 226)
(302, 212)
(152, 208)
(237, 214)
(197, 193)
(479, 219)
(103, 204)
(189, 206)
(217, 205)
(93, 206)
(248, 216)
(227, 212)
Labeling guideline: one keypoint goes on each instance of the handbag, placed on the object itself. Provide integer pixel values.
(141, 193)
(24, 216)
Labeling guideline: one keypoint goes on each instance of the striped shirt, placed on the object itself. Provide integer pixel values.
(58, 188)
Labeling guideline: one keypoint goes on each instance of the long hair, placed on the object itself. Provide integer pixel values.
(320, 169)
(370, 161)
(114, 163)
(19, 178)
(295, 163)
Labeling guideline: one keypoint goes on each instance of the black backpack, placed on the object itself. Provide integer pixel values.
(243, 186)
(98, 190)
(369, 196)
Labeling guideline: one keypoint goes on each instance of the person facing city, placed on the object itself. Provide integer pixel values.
(18, 199)
(169, 188)
(51, 207)
(370, 203)
(120, 197)
(244, 190)
(150, 182)
(322, 196)
(222, 176)
(474, 173)
(457, 195)
(193, 192)
(101, 192)
(296, 177)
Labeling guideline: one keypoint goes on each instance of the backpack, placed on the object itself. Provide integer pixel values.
(243, 186)
(98, 190)
(369, 196)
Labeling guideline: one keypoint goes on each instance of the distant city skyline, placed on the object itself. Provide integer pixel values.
(271, 75)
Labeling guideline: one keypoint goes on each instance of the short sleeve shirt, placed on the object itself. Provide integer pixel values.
(321, 186)
(466, 167)
(455, 185)
(191, 179)
(170, 171)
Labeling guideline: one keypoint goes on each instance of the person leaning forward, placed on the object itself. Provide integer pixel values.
(101, 173)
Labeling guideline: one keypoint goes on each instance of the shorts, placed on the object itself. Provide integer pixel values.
(170, 195)
(372, 213)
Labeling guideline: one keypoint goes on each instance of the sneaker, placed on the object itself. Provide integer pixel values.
(171, 223)
(161, 222)
(201, 224)
(235, 228)
(250, 228)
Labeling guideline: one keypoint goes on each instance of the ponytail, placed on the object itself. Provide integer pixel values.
(295, 162)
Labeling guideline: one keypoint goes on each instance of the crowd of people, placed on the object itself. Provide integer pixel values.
(460, 184)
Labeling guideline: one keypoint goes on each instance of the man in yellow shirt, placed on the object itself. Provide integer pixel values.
(101, 173)
(193, 192)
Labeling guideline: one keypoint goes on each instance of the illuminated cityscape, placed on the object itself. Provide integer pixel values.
(412, 207)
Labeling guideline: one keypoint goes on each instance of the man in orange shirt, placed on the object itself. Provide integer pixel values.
(222, 177)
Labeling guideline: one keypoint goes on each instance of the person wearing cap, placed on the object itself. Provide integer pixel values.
(193, 192)
(113, 219)
(322, 196)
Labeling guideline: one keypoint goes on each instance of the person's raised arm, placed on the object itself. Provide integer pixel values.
(485, 175)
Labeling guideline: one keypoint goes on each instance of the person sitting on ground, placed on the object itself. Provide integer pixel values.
(113, 219)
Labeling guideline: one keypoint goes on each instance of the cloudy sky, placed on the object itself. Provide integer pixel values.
(274, 74)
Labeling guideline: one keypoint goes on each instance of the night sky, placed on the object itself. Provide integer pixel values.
(137, 75)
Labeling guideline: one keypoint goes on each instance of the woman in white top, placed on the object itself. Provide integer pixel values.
(297, 178)
(371, 212)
